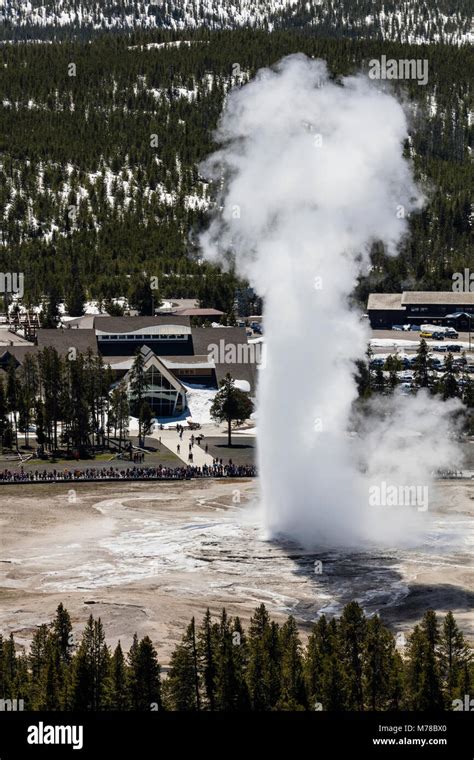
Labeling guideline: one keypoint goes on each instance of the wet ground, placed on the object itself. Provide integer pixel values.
(151, 556)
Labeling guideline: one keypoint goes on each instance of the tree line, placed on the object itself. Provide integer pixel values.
(72, 400)
(453, 380)
(353, 662)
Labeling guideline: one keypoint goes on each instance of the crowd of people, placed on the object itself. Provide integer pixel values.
(446, 473)
(216, 470)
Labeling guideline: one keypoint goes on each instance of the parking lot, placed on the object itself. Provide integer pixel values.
(405, 344)
(414, 337)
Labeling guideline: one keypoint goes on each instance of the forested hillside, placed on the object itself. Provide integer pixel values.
(100, 144)
(400, 20)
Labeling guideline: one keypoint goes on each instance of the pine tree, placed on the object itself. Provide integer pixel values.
(421, 365)
(231, 405)
(431, 697)
(333, 680)
(38, 660)
(12, 396)
(293, 695)
(454, 657)
(414, 668)
(146, 420)
(352, 634)
(262, 672)
(226, 676)
(3, 413)
(393, 365)
(29, 390)
(396, 682)
(182, 684)
(120, 412)
(363, 379)
(206, 649)
(240, 659)
(50, 314)
(141, 296)
(75, 296)
(119, 694)
(378, 666)
(317, 649)
(449, 384)
(138, 387)
(50, 373)
(39, 422)
(10, 667)
(133, 687)
(379, 381)
(145, 673)
(62, 633)
(54, 676)
(91, 684)
(424, 690)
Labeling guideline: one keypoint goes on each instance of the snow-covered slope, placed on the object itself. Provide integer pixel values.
(401, 20)
(130, 14)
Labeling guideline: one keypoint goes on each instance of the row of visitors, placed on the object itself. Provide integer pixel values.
(216, 470)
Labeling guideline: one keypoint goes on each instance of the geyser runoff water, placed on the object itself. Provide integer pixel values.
(312, 173)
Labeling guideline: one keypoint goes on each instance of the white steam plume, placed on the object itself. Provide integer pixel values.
(312, 173)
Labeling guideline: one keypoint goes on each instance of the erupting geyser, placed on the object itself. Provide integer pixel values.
(312, 173)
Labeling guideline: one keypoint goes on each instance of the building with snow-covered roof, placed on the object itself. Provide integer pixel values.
(125, 335)
(178, 356)
(420, 306)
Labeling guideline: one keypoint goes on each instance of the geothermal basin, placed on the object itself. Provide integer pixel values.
(149, 559)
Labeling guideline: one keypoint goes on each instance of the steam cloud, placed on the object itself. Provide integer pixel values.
(311, 174)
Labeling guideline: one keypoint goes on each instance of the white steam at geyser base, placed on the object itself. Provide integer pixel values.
(312, 174)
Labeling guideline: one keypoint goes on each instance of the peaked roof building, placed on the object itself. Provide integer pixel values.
(176, 355)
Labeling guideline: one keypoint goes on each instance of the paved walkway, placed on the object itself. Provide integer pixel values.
(171, 439)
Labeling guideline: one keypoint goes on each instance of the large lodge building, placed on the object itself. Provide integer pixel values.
(175, 354)
(448, 308)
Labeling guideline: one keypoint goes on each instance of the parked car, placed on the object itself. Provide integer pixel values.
(415, 328)
(454, 348)
(437, 336)
(450, 332)
(443, 349)
(425, 334)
